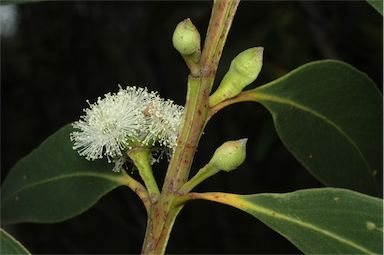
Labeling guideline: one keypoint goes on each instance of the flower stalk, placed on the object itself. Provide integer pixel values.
(141, 158)
(138, 188)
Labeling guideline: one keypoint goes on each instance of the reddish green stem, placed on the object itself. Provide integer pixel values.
(164, 211)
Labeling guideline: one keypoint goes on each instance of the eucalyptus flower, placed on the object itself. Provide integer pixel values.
(132, 117)
(165, 118)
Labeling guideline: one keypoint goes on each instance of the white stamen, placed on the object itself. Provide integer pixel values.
(132, 115)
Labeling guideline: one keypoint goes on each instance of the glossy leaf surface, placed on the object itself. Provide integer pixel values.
(10, 245)
(317, 221)
(53, 183)
(329, 115)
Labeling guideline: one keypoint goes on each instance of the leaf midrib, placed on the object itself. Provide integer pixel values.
(280, 100)
(240, 202)
(243, 205)
(60, 177)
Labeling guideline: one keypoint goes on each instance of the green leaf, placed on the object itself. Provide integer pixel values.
(10, 245)
(317, 221)
(53, 183)
(377, 4)
(329, 115)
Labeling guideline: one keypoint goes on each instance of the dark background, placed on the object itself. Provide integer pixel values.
(63, 53)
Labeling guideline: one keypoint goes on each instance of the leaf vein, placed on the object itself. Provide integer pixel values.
(268, 212)
(58, 178)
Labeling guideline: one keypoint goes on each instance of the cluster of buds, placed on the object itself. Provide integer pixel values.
(134, 117)
(244, 70)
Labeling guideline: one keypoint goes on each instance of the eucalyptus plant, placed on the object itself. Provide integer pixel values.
(327, 113)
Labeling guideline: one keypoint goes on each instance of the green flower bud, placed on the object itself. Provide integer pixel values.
(243, 70)
(186, 38)
(229, 156)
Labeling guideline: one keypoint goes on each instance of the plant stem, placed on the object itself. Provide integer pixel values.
(164, 211)
(223, 12)
(159, 225)
(199, 88)
(182, 157)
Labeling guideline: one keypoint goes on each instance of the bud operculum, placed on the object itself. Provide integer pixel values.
(186, 38)
(243, 70)
(229, 155)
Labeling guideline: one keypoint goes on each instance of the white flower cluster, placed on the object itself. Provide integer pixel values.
(118, 122)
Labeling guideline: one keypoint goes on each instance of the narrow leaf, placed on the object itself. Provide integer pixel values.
(10, 246)
(317, 221)
(53, 183)
(329, 115)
